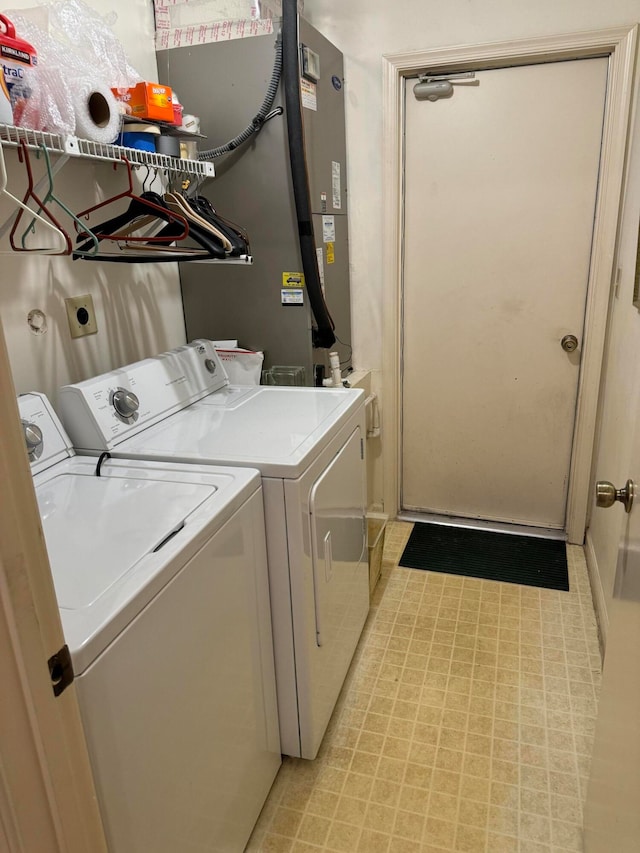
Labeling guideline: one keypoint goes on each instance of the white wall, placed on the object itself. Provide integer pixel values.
(365, 30)
(138, 307)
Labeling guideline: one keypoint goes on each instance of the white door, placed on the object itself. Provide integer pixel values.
(612, 813)
(500, 190)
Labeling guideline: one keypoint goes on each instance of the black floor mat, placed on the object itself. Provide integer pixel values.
(484, 554)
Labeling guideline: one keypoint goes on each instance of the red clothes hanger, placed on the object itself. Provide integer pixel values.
(23, 156)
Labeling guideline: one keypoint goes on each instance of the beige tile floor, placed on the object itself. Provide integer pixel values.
(465, 723)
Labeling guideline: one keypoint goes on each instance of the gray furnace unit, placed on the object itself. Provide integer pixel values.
(263, 305)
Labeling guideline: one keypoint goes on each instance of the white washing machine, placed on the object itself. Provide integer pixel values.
(161, 579)
(309, 446)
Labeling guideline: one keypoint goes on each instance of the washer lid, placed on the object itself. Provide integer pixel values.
(98, 528)
(105, 577)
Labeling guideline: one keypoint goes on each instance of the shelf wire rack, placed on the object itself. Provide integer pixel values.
(73, 146)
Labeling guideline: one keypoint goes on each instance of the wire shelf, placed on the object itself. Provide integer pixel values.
(75, 147)
(11, 136)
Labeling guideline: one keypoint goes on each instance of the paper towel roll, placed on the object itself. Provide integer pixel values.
(97, 113)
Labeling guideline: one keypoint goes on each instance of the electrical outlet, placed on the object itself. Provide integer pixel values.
(81, 315)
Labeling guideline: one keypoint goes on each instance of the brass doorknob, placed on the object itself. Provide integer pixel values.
(607, 494)
(569, 343)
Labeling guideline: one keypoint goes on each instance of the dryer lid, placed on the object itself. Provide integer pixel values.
(277, 430)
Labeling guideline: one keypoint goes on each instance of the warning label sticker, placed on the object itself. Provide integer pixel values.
(320, 257)
(336, 186)
(293, 279)
(328, 229)
(308, 94)
(292, 296)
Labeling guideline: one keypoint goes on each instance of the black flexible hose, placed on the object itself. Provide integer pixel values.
(323, 335)
(261, 116)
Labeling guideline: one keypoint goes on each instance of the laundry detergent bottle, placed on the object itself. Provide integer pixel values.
(18, 63)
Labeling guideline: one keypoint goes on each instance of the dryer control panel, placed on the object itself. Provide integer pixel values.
(101, 412)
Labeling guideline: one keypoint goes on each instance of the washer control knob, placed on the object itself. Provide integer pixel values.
(33, 439)
(125, 403)
(210, 364)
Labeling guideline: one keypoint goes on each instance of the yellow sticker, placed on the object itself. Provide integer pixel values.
(293, 279)
(331, 258)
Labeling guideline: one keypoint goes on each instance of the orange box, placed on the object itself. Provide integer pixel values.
(148, 100)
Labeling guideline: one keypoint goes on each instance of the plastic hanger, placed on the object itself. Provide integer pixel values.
(138, 249)
(141, 213)
(201, 206)
(65, 245)
(234, 233)
(204, 237)
(137, 254)
(144, 210)
(120, 228)
(202, 229)
(51, 197)
(179, 204)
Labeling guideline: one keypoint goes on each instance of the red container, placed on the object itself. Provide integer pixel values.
(19, 59)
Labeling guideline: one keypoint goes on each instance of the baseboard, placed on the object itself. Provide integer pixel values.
(597, 592)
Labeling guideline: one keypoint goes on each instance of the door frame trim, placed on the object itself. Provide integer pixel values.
(619, 45)
(47, 795)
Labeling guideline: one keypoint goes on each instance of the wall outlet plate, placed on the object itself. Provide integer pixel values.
(81, 315)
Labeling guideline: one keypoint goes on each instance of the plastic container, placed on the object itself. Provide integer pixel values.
(334, 363)
(376, 524)
(190, 123)
(19, 60)
(136, 139)
(284, 374)
(177, 110)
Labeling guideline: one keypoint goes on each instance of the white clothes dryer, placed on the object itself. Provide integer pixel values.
(309, 445)
(161, 579)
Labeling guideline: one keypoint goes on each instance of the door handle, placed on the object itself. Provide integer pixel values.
(607, 494)
(328, 572)
(569, 343)
(328, 557)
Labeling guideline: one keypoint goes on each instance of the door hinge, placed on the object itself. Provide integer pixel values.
(362, 448)
(61, 670)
